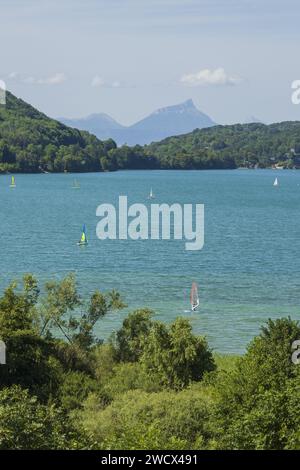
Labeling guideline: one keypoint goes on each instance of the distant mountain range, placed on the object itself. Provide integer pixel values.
(165, 122)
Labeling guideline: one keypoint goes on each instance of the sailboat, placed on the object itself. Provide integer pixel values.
(195, 302)
(13, 182)
(83, 239)
(76, 184)
(151, 195)
(276, 182)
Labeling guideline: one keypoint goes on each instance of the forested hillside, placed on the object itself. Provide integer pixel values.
(230, 146)
(219, 147)
(32, 142)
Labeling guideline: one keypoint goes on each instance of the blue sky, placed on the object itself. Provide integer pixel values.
(70, 58)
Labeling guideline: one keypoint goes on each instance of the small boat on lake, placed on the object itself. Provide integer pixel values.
(76, 184)
(276, 182)
(13, 182)
(83, 240)
(195, 302)
(151, 195)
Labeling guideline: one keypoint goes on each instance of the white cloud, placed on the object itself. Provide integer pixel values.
(30, 80)
(55, 79)
(116, 84)
(97, 81)
(209, 77)
(12, 75)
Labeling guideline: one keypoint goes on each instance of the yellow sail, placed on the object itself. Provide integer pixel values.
(83, 238)
(13, 182)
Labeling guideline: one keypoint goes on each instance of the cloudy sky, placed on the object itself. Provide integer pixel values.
(234, 58)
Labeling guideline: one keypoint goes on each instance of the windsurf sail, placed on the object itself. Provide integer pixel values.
(276, 182)
(13, 182)
(194, 297)
(76, 184)
(83, 239)
(151, 195)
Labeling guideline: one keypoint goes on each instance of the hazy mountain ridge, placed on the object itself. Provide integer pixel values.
(93, 123)
(164, 122)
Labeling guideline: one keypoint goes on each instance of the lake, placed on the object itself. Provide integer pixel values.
(247, 271)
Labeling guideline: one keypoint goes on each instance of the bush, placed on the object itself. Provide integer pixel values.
(257, 408)
(140, 420)
(74, 390)
(129, 340)
(26, 424)
(175, 356)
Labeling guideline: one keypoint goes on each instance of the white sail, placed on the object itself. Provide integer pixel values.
(195, 301)
(76, 184)
(276, 182)
(151, 195)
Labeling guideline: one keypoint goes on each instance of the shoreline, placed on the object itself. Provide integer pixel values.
(123, 170)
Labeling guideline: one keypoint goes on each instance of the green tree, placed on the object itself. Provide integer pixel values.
(129, 340)
(26, 424)
(174, 355)
(35, 358)
(254, 409)
(61, 302)
(140, 420)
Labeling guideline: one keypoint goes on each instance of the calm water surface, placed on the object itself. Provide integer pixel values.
(248, 270)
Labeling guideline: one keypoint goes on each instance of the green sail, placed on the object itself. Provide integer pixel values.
(83, 239)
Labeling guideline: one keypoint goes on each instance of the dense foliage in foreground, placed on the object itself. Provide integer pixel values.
(151, 386)
(32, 142)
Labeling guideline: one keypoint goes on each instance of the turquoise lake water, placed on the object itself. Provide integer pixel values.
(247, 272)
